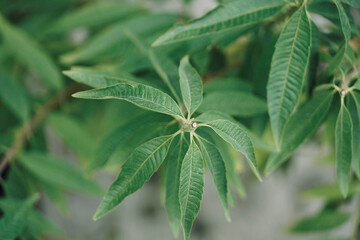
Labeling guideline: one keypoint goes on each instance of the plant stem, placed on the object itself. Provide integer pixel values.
(34, 122)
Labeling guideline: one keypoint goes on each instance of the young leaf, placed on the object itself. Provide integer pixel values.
(172, 184)
(235, 103)
(92, 15)
(191, 187)
(15, 217)
(57, 172)
(302, 124)
(321, 222)
(343, 149)
(288, 70)
(237, 137)
(13, 96)
(31, 54)
(191, 85)
(141, 95)
(137, 170)
(217, 169)
(226, 16)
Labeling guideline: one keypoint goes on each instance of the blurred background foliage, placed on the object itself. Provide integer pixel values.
(40, 38)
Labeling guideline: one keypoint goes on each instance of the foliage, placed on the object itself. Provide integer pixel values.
(250, 80)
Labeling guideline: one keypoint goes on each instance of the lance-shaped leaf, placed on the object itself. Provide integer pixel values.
(217, 170)
(354, 109)
(226, 16)
(321, 222)
(138, 169)
(98, 78)
(15, 217)
(92, 15)
(235, 103)
(288, 70)
(13, 96)
(57, 172)
(236, 136)
(191, 187)
(302, 124)
(141, 95)
(31, 54)
(343, 149)
(191, 85)
(344, 20)
(172, 184)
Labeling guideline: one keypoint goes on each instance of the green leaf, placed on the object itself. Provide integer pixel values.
(236, 136)
(31, 54)
(92, 15)
(137, 170)
(116, 38)
(98, 78)
(354, 109)
(57, 172)
(38, 225)
(288, 70)
(15, 217)
(191, 85)
(217, 170)
(235, 103)
(172, 184)
(343, 149)
(191, 187)
(344, 20)
(330, 192)
(302, 124)
(13, 96)
(226, 16)
(108, 146)
(141, 95)
(321, 222)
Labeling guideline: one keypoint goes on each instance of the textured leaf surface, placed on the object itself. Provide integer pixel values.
(191, 85)
(31, 54)
(323, 221)
(288, 70)
(226, 16)
(217, 170)
(141, 95)
(302, 124)
(57, 172)
(172, 184)
(15, 217)
(237, 137)
(92, 15)
(191, 187)
(13, 96)
(235, 103)
(343, 149)
(137, 170)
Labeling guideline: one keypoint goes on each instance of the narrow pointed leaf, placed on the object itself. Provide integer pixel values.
(354, 109)
(172, 184)
(302, 124)
(191, 85)
(138, 169)
(344, 20)
(235, 103)
(29, 52)
(288, 70)
(343, 149)
(57, 172)
(191, 187)
(226, 16)
(217, 170)
(141, 95)
(238, 138)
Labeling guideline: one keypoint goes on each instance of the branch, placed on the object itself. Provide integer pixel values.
(34, 122)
